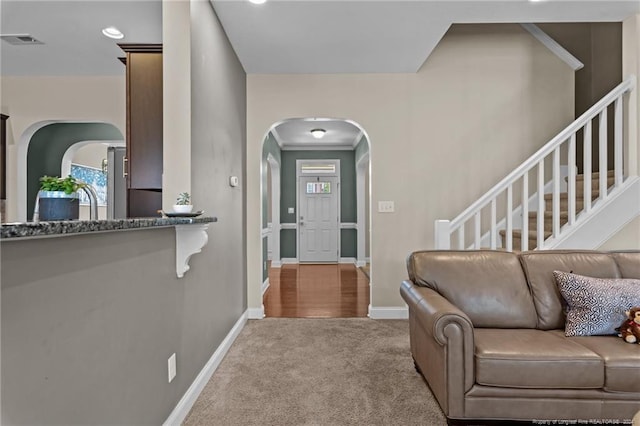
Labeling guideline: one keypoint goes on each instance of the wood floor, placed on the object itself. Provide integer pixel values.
(317, 291)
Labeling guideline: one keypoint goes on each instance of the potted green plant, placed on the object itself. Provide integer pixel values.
(183, 203)
(58, 198)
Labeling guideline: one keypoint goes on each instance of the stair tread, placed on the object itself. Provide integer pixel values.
(517, 233)
(549, 215)
(595, 175)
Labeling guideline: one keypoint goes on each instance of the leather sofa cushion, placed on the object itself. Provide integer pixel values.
(621, 361)
(538, 268)
(628, 263)
(488, 286)
(535, 359)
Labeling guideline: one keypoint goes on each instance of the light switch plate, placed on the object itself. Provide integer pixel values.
(386, 206)
(291, 210)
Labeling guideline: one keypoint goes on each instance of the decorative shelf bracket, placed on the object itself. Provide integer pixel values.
(190, 239)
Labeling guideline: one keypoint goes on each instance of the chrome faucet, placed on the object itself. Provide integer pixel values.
(93, 202)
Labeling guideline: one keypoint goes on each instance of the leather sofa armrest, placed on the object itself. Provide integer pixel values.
(435, 312)
(448, 366)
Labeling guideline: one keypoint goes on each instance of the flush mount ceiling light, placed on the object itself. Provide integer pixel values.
(112, 32)
(318, 133)
(257, 1)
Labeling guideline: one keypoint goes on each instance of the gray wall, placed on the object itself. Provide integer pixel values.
(88, 322)
(348, 212)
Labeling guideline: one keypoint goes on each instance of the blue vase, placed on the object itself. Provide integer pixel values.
(58, 205)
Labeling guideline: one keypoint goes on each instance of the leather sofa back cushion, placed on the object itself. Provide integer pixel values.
(488, 286)
(628, 263)
(539, 266)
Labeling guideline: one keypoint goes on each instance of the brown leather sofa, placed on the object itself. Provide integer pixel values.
(487, 334)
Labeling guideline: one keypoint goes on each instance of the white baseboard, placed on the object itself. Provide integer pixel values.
(256, 313)
(181, 410)
(388, 312)
(289, 260)
(265, 286)
(361, 263)
(276, 263)
(348, 260)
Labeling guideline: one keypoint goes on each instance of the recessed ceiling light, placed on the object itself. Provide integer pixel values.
(112, 32)
(318, 133)
(257, 1)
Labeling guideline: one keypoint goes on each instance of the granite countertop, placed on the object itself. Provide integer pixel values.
(65, 227)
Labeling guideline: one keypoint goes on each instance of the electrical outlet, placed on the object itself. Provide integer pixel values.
(172, 367)
(386, 206)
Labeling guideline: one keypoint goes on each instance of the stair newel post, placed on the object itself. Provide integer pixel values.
(617, 141)
(586, 170)
(556, 193)
(602, 152)
(494, 219)
(571, 184)
(443, 234)
(509, 218)
(524, 235)
(540, 212)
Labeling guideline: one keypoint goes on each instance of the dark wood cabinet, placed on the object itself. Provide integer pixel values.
(144, 128)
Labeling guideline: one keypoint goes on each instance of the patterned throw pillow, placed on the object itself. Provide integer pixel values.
(596, 306)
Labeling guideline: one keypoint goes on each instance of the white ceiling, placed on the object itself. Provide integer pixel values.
(280, 36)
(329, 36)
(296, 134)
(71, 32)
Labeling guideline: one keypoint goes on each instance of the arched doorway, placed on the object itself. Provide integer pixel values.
(41, 150)
(286, 148)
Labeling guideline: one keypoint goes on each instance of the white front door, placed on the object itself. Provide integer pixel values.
(318, 219)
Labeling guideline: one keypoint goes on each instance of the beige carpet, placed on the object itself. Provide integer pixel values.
(318, 372)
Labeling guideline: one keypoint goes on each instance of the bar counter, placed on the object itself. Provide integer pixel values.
(22, 230)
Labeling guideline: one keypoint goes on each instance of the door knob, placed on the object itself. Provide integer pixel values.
(301, 223)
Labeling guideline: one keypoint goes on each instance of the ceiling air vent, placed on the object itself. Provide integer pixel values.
(20, 39)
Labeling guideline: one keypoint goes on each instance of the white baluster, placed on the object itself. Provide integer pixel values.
(617, 141)
(477, 230)
(494, 237)
(509, 246)
(571, 191)
(524, 239)
(461, 237)
(540, 218)
(602, 144)
(556, 193)
(586, 169)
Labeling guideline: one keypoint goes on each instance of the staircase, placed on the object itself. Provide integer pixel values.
(543, 208)
(564, 211)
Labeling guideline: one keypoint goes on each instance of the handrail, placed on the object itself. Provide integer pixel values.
(546, 149)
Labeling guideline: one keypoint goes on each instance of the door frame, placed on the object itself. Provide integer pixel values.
(336, 174)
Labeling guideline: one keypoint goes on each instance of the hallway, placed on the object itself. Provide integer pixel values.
(317, 291)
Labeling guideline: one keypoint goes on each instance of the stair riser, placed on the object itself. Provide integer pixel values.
(548, 223)
(564, 205)
(517, 244)
(595, 185)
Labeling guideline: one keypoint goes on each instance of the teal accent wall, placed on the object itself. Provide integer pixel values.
(348, 243)
(48, 145)
(348, 208)
(265, 249)
(288, 243)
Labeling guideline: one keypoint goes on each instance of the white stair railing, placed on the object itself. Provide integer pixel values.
(530, 177)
